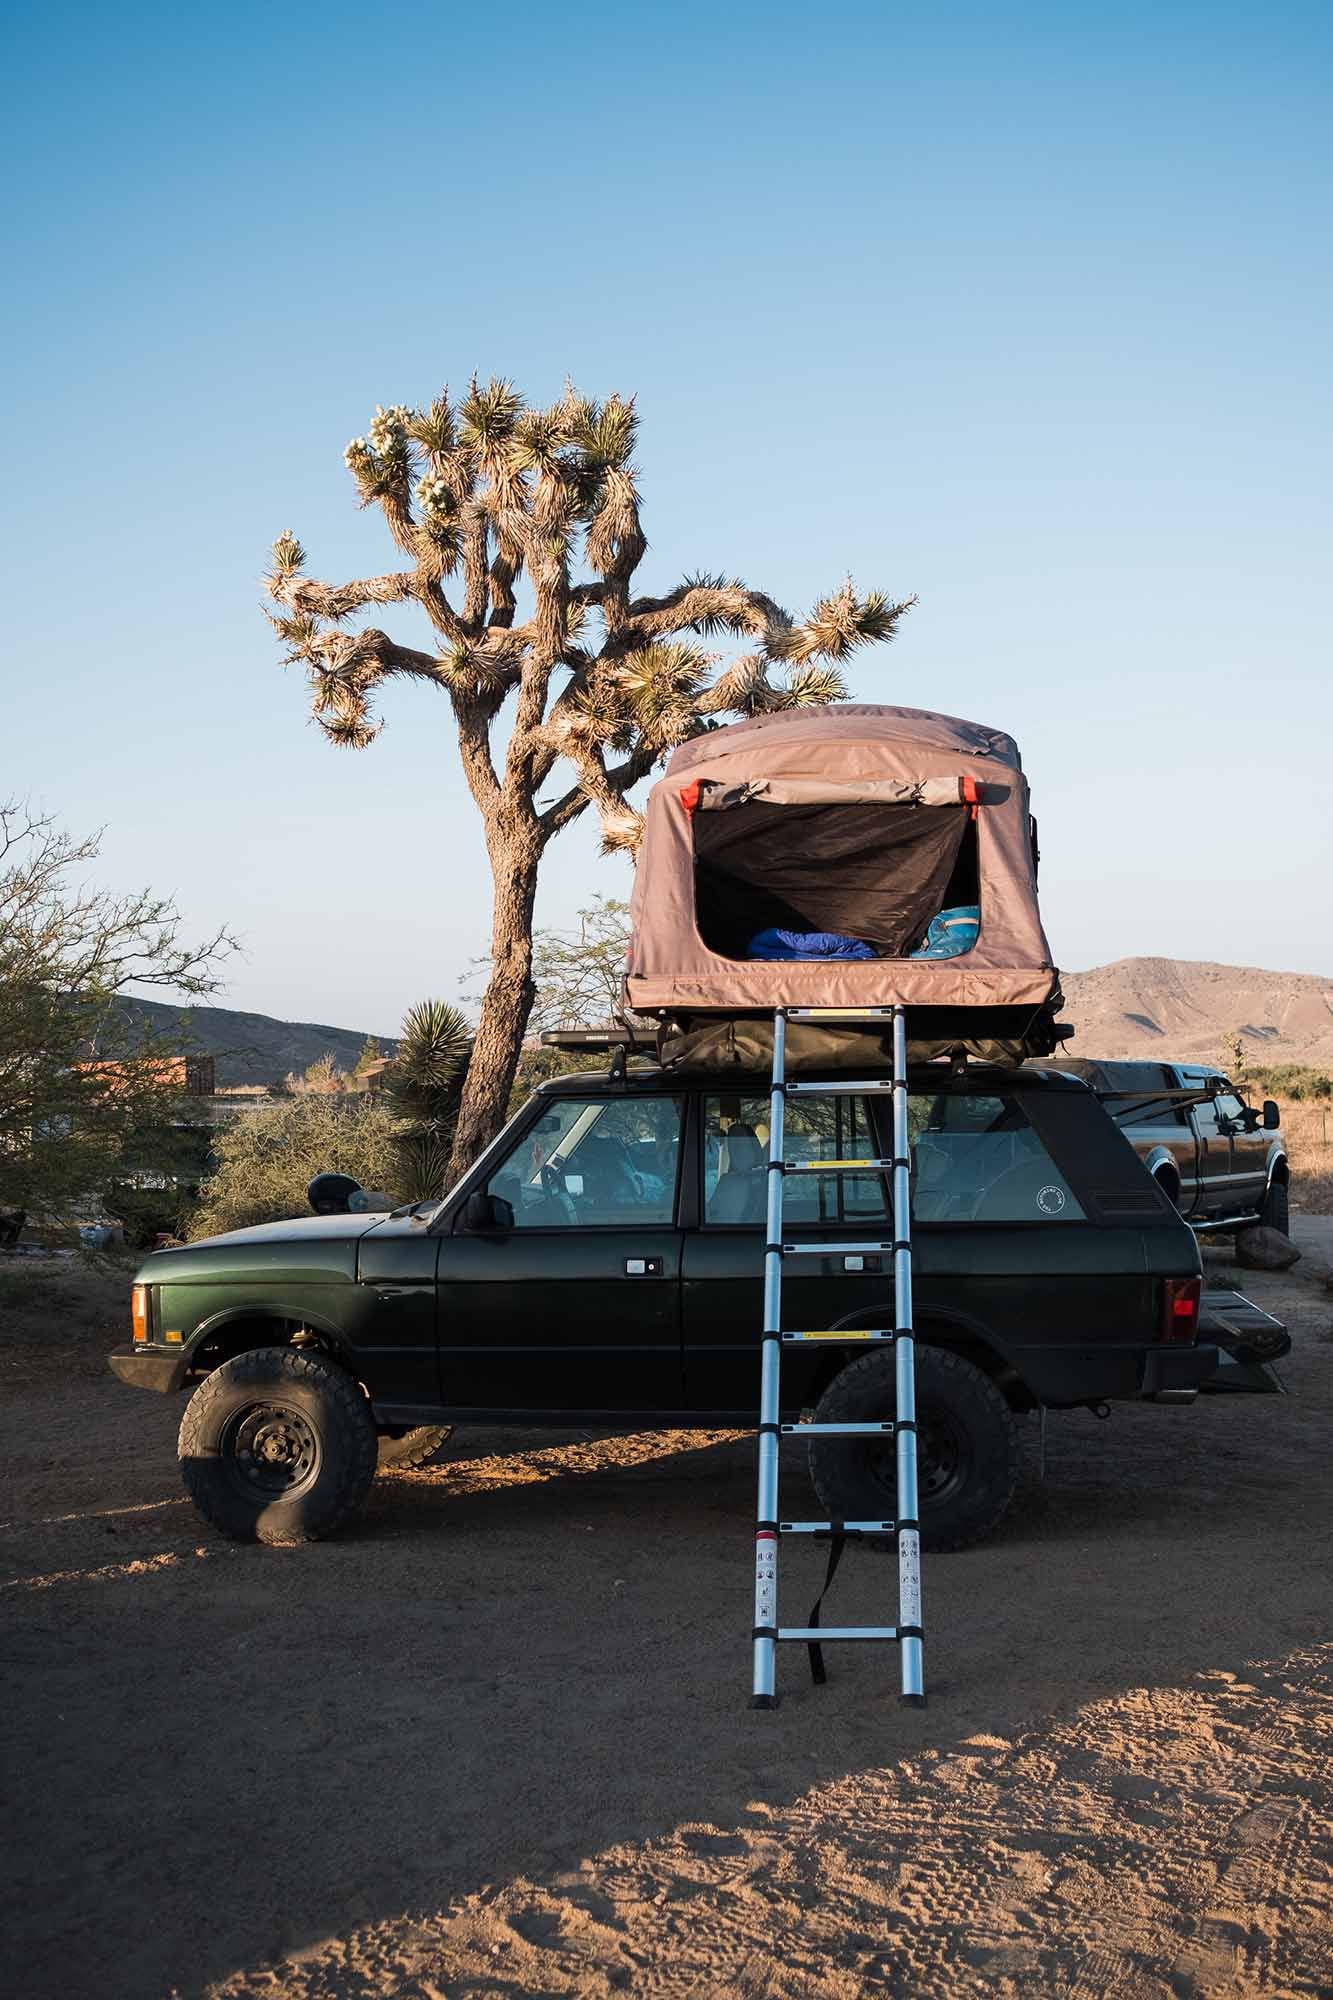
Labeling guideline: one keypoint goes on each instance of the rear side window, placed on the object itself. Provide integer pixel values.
(975, 1158)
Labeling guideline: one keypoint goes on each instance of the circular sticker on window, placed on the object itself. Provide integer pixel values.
(1050, 1200)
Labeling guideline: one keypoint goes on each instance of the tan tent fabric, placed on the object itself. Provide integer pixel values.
(849, 752)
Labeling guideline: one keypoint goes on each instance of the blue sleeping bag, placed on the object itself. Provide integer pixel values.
(807, 944)
(951, 933)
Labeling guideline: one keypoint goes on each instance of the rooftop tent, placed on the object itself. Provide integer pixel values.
(844, 833)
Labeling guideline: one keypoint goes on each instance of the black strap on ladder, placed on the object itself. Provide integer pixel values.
(837, 1543)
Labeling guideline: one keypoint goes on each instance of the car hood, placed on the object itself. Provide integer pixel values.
(326, 1242)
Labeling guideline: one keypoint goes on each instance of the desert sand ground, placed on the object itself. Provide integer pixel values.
(496, 1741)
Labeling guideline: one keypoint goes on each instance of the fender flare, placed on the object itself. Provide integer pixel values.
(1160, 1157)
(230, 1315)
(969, 1331)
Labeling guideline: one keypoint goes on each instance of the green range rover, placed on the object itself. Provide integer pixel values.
(602, 1265)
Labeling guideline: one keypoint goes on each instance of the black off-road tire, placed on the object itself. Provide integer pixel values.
(967, 1448)
(414, 1448)
(1276, 1211)
(278, 1445)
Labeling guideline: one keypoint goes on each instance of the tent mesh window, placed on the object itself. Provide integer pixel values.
(876, 873)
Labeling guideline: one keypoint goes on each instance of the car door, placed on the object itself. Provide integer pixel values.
(722, 1290)
(1249, 1155)
(576, 1306)
(1214, 1150)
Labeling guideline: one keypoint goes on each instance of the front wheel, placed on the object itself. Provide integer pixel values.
(967, 1448)
(1276, 1211)
(277, 1445)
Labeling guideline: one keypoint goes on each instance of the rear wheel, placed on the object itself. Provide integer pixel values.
(414, 1448)
(1170, 1187)
(277, 1445)
(1276, 1211)
(967, 1448)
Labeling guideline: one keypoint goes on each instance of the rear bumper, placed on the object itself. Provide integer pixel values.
(148, 1368)
(1064, 1376)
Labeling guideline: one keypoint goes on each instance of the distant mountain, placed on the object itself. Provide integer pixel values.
(1163, 1007)
(1179, 1009)
(253, 1048)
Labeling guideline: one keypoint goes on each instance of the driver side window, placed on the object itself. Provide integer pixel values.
(594, 1162)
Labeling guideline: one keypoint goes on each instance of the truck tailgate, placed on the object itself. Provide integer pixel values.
(1248, 1340)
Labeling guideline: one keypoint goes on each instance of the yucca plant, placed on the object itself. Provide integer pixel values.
(424, 1086)
(602, 684)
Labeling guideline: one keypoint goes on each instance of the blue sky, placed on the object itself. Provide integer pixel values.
(1024, 309)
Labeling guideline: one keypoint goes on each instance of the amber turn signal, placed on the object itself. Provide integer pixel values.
(139, 1311)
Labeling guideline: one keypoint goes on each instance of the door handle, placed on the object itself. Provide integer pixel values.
(643, 1267)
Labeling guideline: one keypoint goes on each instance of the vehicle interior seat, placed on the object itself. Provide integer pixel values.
(740, 1193)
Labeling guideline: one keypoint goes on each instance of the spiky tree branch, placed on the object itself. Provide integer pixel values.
(487, 497)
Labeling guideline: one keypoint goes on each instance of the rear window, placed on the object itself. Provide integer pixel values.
(975, 1158)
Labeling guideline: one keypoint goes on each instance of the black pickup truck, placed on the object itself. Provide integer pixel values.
(602, 1262)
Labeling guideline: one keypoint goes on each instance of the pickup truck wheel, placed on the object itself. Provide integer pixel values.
(1276, 1211)
(414, 1448)
(277, 1445)
(967, 1448)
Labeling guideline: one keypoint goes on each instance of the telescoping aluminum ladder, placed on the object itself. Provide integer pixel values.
(768, 1633)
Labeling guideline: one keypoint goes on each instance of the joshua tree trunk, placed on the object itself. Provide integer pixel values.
(507, 1001)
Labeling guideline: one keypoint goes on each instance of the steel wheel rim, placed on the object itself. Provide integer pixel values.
(271, 1451)
(943, 1459)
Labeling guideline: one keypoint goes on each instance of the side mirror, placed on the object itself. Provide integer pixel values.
(1272, 1115)
(485, 1215)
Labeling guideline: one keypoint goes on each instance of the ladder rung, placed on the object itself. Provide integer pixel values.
(843, 1528)
(846, 1334)
(836, 1166)
(816, 1634)
(838, 1430)
(850, 1089)
(838, 1013)
(835, 1249)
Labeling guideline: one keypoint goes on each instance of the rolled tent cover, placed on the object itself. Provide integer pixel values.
(857, 823)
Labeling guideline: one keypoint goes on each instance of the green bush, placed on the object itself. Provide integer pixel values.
(266, 1159)
(1295, 1082)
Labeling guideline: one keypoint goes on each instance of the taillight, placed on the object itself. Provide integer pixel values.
(139, 1311)
(1180, 1308)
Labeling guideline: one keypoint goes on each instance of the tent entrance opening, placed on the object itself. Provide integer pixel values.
(868, 875)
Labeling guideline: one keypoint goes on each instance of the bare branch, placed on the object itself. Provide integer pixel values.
(338, 601)
(708, 604)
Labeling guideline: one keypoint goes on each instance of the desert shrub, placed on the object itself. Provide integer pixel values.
(1294, 1083)
(266, 1159)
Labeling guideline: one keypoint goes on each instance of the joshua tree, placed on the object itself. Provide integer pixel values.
(494, 493)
